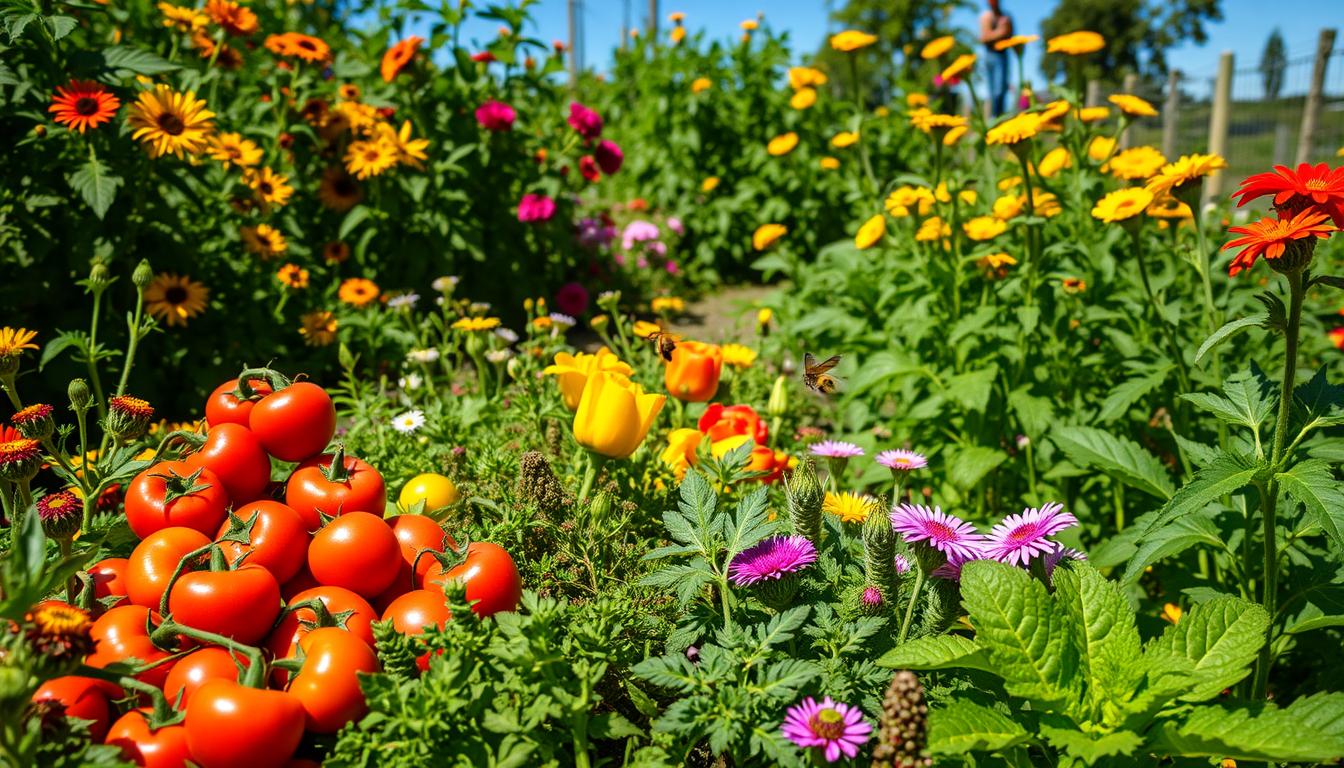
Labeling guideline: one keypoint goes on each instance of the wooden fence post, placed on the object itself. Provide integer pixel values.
(653, 20)
(1311, 111)
(1093, 97)
(1171, 114)
(1219, 117)
(572, 14)
(1131, 85)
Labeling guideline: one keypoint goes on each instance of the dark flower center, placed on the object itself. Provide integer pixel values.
(307, 45)
(171, 124)
(86, 106)
(345, 187)
(265, 188)
(175, 295)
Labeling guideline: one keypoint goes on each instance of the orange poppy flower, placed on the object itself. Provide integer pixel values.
(235, 19)
(1272, 237)
(693, 374)
(398, 56)
(83, 104)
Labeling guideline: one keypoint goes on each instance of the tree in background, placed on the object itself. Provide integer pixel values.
(897, 24)
(1273, 61)
(1138, 33)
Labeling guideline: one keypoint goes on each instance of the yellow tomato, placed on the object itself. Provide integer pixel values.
(435, 490)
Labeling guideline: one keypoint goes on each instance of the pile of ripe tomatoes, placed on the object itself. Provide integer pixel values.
(249, 603)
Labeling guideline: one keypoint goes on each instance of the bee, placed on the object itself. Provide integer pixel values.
(815, 376)
(665, 342)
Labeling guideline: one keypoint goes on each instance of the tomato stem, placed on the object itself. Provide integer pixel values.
(177, 573)
(244, 391)
(193, 439)
(254, 676)
(336, 471)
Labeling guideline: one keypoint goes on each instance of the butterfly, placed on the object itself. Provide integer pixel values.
(815, 376)
(666, 343)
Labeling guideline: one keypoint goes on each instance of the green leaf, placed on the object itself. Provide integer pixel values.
(1122, 459)
(1023, 633)
(1035, 414)
(1101, 623)
(1313, 483)
(353, 219)
(1228, 473)
(1194, 529)
(971, 390)
(1310, 730)
(1227, 331)
(61, 26)
(124, 59)
(1090, 748)
(964, 726)
(612, 725)
(1128, 392)
(96, 185)
(969, 465)
(937, 652)
(1221, 638)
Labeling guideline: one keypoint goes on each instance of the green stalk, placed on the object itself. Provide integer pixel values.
(94, 378)
(910, 606)
(1031, 228)
(1162, 323)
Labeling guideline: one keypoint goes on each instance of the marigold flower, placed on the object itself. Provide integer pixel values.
(937, 47)
(358, 291)
(1122, 204)
(1132, 105)
(1016, 41)
(1075, 43)
(983, 228)
(299, 45)
(398, 56)
(871, 232)
(170, 122)
(1054, 161)
(1093, 115)
(34, 421)
(678, 34)
(235, 19)
(766, 235)
(1135, 163)
(174, 299)
(749, 25)
(995, 265)
(1273, 238)
(932, 228)
(185, 20)
(959, 66)
(1186, 173)
(916, 100)
(782, 144)
(806, 77)
(292, 276)
(60, 631)
(1015, 129)
(1172, 612)
(1007, 207)
(803, 98)
(83, 104)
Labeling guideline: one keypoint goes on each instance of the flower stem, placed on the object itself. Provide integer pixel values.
(1167, 331)
(910, 606)
(589, 476)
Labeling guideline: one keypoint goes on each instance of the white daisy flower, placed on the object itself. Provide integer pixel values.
(423, 355)
(410, 381)
(409, 421)
(507, 334)
(498, 355)
(445, 284)
(406, 300)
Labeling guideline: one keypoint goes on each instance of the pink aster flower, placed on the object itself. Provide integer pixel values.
(946, 533)
(834, 728)
(871, 597)
(535, 208)
(772, 559)
(1019, 538)
(1058, 554)
(901, 460)
(585, 121)
(609, 156)
(836, 449)
(951, 569)
(902, 565)
(496, 116)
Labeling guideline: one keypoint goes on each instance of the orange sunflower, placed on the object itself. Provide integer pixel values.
(357, 291)
(83, 104)
(1273, 238)
(398, 56)
(235, 19)
(299, 45)
(264, 240)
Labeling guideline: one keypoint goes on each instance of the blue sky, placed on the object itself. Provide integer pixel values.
(1243, 29)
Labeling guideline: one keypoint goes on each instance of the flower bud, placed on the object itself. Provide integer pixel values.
(879, 554)
(901, 738)
(142, 275)
(99, 277)
(599, 322)
(128, 417)
(80, 397)
(60, 514)
(779, 397)
(805, 497)
(20, 459)
(35, 421)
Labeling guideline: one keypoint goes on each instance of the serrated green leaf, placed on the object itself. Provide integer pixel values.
(96, 184)
(1101, 623)
(1181, 534)
(964, 726)
(1220, 638)
(1227, 474)
(1128, 392)
(1122, 459)
(136, 61)
(1227, 331)
(937, 652)
(1313, 483)
(1310, 730)
(1091, 748)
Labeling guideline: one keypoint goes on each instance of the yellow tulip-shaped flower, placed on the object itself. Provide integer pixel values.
(614, 415)
(573, 372)
(680, 453)
(871, 232)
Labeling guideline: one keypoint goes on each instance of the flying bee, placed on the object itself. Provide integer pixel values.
(665, 342)
(815, 376)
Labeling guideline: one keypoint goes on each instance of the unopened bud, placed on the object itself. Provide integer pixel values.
(142, 275)
(99, 277)
(80, 397)
(805, 497)
(779, 397)
(128, 417)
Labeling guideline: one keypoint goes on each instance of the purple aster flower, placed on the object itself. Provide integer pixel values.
(1058, 554)
(902, 460)
(902, 565)
(772, 559)
(1019, 538)
(836, 449)
(946, 533)
(871, 597)
(951, 570)
(837, 729)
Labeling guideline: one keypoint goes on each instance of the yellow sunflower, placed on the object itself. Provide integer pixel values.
(782, 144)
(357, 291)
(264, 240)
(1135, 163)
(170, 122)
(318, 328)
(1014, 130)
(1122, 204)
(175, 299)
(1185, 173)
(409, 151)
(849, 507)
(233, 149)
(269, 187)
(338, 190)
(369, 158)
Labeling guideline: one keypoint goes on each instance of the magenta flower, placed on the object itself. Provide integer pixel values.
(675, 224)
(585, 121)
(1019, 538)
(535, 208)
(871, 597)
(902, 460)
(836, 449)
(588, 169)
(945, 533)
(609, 156)
(902, 565)
(834, 728)
(1058, 554)
(639, 231)
(951, 569)
(496, 116)
(572, 299)
(772, 559)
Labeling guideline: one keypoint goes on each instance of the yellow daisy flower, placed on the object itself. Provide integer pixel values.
(170, 122)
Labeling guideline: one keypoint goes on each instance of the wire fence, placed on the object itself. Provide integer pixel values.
(1264, 122)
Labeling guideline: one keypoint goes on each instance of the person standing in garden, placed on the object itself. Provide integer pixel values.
(995, 25)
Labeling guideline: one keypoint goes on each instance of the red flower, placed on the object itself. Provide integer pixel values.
(484, 57)
(83, 104)
(1310, 187)
(720, 421)
(1271, 237)
(1336, 336)
(588, 167)
(398, 56)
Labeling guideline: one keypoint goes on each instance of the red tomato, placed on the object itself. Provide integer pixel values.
(490, 577)
(236, 457)
(163, 496)
(85, 698)
(153, 561)
(301, 582)
(416, 533)
(279, 540)
(294, 423)
(414, 611)
(122, 634)
(356, 551)
(344, 605)
(229, 725)
(224, 408)
(327, 685)
(195, 669)
(110, 578)
(315, 488)
(162, 748)
(241, 604)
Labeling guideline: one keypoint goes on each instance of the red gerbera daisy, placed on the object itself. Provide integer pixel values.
(398, 56)
(1316, 187)
(83, 104)
(1272, 237)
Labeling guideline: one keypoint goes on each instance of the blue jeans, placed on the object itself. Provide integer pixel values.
(996, 64)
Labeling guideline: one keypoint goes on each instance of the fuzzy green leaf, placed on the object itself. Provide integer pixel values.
(1101, 623)
(937, 652)
(1221, 638)
(1227, 331)
(96, 184)
(1310, 730)
(1122, 459)
(964, 726)
(1182, 534)
(1228, 473)
(1313, 483)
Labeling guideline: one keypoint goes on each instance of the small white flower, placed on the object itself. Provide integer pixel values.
(423, 355)
(479, 308)
(409, 422)
(562, 319)
(498, 355)
(410, 381)
(407, 300)
(440, 300)
(507, 334)
(445, 284)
